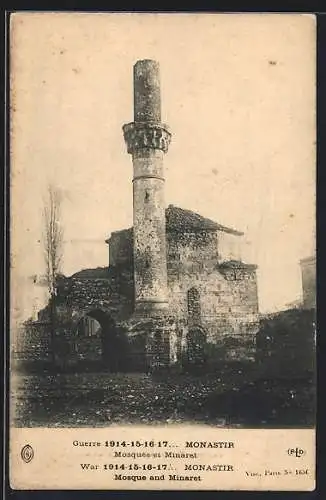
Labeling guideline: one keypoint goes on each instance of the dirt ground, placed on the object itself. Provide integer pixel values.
(101, 399)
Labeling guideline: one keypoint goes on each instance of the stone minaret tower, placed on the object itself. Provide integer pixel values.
(147, 140)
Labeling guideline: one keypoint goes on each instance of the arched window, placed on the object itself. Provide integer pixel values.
(194, 313)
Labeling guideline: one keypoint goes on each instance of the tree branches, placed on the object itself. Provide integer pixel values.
(52, 237)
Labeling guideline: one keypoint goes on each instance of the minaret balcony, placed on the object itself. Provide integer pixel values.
(142, 135)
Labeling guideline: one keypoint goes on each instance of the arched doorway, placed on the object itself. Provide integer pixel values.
(196, 347)
(99, 342)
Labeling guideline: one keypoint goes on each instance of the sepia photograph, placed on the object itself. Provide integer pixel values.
(162, 183)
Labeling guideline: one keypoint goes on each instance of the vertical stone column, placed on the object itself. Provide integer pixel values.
(147, 140)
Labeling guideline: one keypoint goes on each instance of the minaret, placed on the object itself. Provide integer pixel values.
(147, 140)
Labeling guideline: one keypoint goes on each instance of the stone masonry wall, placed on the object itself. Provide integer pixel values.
(228, 309)
(189, 252)
(228, 303)
(149, 226)
(228, 299)
(121, 248)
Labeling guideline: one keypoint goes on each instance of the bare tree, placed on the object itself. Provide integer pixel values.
(53, 252)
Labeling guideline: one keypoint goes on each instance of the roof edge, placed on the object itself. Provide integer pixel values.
(238, 264)
(211, 227)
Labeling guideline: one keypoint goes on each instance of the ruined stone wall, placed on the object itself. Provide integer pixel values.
(34, 343)
(113, 294)
(93, 294)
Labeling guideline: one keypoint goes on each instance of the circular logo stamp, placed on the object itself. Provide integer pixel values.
(27, 453)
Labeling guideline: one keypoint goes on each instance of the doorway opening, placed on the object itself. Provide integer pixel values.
(98, 341)
(196, 347)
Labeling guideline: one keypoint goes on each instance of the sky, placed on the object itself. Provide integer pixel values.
(238, 93)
